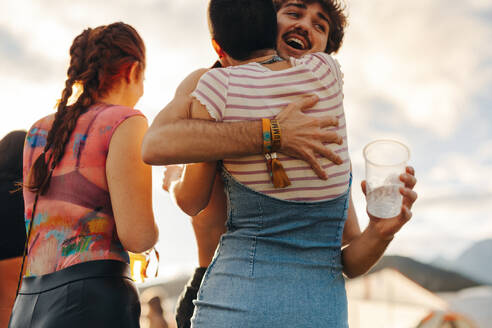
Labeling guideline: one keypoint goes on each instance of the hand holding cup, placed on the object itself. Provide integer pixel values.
(385, 162)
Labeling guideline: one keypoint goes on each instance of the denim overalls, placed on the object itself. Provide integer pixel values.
(278, 264)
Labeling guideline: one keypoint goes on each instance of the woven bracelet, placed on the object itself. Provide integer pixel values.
(267, 135)
(276, 135)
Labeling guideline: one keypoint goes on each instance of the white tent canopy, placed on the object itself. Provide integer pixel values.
(475, 302)
(389, 299)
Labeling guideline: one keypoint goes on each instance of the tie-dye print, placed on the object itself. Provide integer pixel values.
(74, 220)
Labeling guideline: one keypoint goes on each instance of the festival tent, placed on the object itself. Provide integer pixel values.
(388, 299)
(442, 319)
(474, 302)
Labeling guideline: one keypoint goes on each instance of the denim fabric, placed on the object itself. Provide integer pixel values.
(278, 264)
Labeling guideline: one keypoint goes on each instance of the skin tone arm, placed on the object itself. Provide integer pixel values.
(130, 187)
(206, 204)
(193, 190)
(174, 138)
(209, 224)
(363, 250)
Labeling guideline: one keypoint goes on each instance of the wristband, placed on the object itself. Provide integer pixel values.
(267, 135)
(275, 135)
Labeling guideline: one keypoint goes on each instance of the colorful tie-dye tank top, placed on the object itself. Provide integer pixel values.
(74, 220)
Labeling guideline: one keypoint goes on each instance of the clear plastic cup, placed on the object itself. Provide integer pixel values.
(385, 160)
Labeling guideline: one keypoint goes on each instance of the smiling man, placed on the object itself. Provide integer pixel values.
(309, 26)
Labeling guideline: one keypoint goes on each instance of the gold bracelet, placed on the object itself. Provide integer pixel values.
(276, 135)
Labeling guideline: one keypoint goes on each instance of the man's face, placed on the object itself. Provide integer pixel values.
(302, 29)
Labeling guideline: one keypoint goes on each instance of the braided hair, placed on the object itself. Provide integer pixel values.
(99, 58)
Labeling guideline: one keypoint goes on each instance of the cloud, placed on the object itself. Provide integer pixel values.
(35, 39)
(18, 60)
(471, 171)
(427, 59)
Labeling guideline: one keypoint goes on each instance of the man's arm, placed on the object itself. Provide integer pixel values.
(193, 191)
(174, 137)
(208, 224)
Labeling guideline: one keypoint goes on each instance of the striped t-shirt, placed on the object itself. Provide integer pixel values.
(252, 92)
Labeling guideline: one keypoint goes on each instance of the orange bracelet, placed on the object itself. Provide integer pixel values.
(267, 135)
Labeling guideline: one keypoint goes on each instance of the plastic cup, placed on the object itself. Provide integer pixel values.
(385, 161)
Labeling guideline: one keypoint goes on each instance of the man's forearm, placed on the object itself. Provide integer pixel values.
(363, 253)
(175, 138)
(171, 143)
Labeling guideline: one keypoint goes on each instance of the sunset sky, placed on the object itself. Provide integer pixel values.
(418, 71)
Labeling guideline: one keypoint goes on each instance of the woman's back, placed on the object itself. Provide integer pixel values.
(74, 220)
(252, 92)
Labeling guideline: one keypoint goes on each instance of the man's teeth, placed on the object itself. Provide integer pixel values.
(295, 43)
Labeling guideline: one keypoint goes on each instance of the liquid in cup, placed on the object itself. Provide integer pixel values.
(385, 161)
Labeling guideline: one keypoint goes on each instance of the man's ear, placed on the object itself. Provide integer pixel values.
(218, 49)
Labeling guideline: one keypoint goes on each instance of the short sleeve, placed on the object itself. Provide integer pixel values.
(333, 64)
(211, 92)
(112, 117)
(339, 73)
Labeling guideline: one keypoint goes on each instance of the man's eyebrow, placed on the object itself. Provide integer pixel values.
(303, 6)
(296, 4)
(323, 17)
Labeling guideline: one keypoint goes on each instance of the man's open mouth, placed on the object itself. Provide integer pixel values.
(297, 42)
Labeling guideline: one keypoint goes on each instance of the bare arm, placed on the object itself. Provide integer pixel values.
(366, 248)
(130, 187)
(209, 224)
(192, 192)
(176, 138)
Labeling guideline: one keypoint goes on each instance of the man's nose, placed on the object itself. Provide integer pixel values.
(303, 24)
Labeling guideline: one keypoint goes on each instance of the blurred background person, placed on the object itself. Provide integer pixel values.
(13, 232)
(154, 314)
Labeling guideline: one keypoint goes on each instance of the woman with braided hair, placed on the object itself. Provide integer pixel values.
(87, 192)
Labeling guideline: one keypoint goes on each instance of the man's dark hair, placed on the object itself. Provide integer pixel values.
(242, 27)
(338, 21)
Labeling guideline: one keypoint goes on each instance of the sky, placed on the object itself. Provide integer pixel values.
(417, 71)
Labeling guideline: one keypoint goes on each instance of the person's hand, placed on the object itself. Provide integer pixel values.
(387, 228)
(171, 174)
(304, 136)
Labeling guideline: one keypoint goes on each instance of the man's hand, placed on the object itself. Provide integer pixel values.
(303, 136)
(387, 228)
(171, 174)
